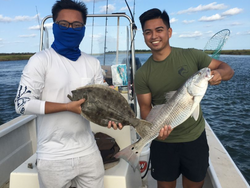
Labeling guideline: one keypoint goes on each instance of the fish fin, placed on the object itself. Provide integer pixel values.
(196, 113)
(143, 128)
(86, 117)
(70, 98)
(154, 111)
(130, 154)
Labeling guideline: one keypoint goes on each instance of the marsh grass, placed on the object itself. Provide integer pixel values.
(15, 56)
(25, 56)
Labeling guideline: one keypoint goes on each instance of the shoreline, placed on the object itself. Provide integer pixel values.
(26, 56)
(15, 56)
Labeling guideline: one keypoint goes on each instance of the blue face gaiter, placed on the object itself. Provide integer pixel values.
(67, 42)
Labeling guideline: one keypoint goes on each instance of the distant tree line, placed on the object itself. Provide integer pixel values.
(225, 52)
(27, 55)
(14, 56)
(232, 52)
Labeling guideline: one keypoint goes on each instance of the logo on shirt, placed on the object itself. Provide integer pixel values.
(183, 71)
(21, 99)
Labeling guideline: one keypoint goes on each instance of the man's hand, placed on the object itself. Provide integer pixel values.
(164, 132)
(75, 106)
(217, 78)
(114, 125)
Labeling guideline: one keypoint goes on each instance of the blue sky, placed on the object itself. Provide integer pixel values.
(193, 22)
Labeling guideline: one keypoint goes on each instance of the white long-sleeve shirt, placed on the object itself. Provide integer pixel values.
(48, 76)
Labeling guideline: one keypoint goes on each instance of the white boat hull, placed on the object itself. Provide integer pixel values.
(18, 143)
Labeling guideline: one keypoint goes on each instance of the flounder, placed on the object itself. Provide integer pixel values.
(104, 104)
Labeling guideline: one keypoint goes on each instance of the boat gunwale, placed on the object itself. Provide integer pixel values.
(15, 123)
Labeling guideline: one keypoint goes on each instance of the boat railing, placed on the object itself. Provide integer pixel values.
(17, 143)
(223, 171)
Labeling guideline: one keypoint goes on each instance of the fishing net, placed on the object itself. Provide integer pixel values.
(216, 43)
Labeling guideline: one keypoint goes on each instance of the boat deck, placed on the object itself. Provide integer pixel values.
(225, 173)
(151, 183)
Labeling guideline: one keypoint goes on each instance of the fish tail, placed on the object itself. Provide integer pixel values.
(130, 154)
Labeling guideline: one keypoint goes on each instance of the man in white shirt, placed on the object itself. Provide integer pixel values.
(66, 149)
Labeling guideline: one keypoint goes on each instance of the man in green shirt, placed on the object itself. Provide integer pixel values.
(185, 150)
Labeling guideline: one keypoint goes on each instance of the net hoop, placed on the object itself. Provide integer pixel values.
(217, 42)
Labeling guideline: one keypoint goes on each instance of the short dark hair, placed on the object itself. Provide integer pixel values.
(152, 14)
(69, 4)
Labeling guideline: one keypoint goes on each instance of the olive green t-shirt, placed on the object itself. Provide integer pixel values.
(161, 77)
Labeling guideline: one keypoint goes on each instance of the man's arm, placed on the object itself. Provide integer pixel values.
(144, 101)
(74, 106)
(221, 71)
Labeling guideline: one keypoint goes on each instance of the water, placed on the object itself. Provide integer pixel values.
(10, 73)
(226, 107)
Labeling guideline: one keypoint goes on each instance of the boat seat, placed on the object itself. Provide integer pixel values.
(24, 177)
(122, 174)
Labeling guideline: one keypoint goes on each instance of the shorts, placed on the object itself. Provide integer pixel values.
(169, 160)
(86, 171)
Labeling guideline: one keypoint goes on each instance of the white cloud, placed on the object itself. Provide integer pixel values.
(17, 18)
(13, 42)
(1, 42)
(209, 33)
(216, 17)
(173, 20)
(235, 24)
(125, 8)
(188, 21)
(97, 37)
(5, 19)
(22, 18)
(27, 36)
(211, 18)
(191, 35)
(209, 25)
(232, 11)
(111, 8)
(37, 27)
(211, 6)
(243, 33)
(87, 1)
